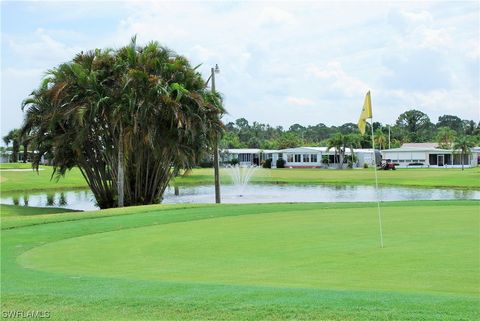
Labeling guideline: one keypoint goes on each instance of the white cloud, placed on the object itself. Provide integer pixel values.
(434, 102)
(16, 85)
(299, 101)
(417, 17)
(274, 17)
(472, 49)
(42, 49)
(335, 77)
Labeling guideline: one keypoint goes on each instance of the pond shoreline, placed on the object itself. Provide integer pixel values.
(83, 199)
(278, 182)
(23, 181)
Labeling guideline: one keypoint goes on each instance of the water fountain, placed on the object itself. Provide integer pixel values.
(241, 176)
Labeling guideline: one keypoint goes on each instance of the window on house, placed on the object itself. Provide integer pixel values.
(313, 158)
(290, 158)
(306, 158)
(298, 158)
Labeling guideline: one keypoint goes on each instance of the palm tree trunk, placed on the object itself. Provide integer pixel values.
(121, 174)
(463, 160)
(25, 152)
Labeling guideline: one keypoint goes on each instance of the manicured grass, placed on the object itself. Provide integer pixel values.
(15, 165)
(424, 177)
(30, 180)
(12, 210)
(17, 181)
(315, 261)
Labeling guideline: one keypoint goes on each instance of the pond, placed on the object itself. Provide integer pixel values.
(254, 193)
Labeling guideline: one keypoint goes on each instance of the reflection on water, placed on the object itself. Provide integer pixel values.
(75, 199)
(50, 199)
(62, 201)
(314, 193)
(84, 200)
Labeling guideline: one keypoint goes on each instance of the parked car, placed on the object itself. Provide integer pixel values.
(387, 164)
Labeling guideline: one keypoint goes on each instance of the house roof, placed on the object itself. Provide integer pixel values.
(242, 150)
(320, 149)
(302, 149)
(417, 149)
(249, 151)
(419, 145)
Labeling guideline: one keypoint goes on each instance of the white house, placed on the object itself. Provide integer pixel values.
(247, 156)
(305, 157)
(299, 157)
(429, 155)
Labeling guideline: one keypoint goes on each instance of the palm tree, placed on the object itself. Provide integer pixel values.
(353, 141)
(341, 142)
(128, 118)
(380, 138)
(13, 137)
(445, 137)
(463, 144)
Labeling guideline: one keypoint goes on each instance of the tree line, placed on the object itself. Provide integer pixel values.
(412, 126)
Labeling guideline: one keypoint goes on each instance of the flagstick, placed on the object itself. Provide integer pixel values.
(376, 186)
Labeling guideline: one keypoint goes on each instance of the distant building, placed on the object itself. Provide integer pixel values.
(247, 156)
(6, 157)
(299, 157)
(429, 155)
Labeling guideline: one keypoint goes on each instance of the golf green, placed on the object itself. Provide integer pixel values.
(314, 249)
(303, 261)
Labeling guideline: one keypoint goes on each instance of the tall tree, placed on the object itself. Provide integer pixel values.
(341, 142)
(348, 128)
(380, 138)
(452, 122)
(143, 111)
(14, 137)
(289, 140)
(445, 137)
(415, 125)
(463, 144)
(471, 127)
(353, 141)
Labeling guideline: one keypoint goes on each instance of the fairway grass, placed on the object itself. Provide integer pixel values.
(14, 182)
(21, 177)
(315, 261)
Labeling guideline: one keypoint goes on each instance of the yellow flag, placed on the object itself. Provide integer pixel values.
(366, 113)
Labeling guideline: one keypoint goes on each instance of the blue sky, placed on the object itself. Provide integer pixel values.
(281, 62)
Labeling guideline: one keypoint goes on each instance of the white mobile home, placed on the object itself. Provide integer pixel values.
(428, 155)
(247, 156)
(299, 157)
(309, 157)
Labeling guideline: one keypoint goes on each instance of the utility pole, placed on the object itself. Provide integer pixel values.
(388, 136)
(216, 165)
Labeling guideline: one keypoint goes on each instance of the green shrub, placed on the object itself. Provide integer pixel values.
(205, 164)
(280, 163)
(234, 162)
(267, 163)
(365, 165)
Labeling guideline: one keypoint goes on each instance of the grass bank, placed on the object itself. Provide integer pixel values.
(315, 261)
(21, 177)
(26, 180)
